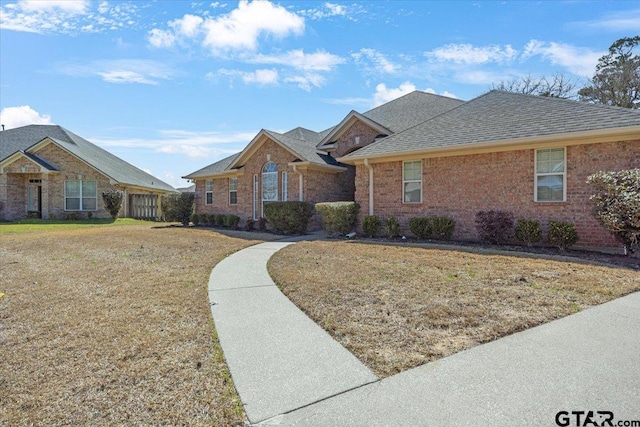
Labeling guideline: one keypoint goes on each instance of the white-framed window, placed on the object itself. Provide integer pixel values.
(233, 191)
(269, 183)
(551, 177)
(285, 183)
(80, 195)
(208, 192)
(412, 181)
(255, 196)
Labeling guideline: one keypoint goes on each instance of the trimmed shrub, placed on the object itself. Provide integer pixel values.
(528, 231)
(231, 221)
(494, 226)
(442, 227)
(421, 227)
(617, 204)
(392, 227)
(210, 219)
(338, 217)
(371, 225)
(178, 207)
(195, 219)
(262, 224)
(113, 201)
(562, 234)
(289, 217)
(218, 220)
(250, 224)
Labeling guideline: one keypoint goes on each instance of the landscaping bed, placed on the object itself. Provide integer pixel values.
(111, 325)
(398, 307)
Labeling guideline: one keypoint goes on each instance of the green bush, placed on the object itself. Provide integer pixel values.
(209, 219)
(231, 221)
(338, 217)
(392, 227)
(178, 207)
(617, 204)
(371, 225)
(494, 226)
(421, 227)
(250, 224)
(432, 227)
(289, 217)
(195, 219)
(113, 201)
(528, 231)
(218, 220)
(562, 234)
(262, 224)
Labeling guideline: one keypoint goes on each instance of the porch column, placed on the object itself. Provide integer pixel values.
(44, 191)
(366, 163)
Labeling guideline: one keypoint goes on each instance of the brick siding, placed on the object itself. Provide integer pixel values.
(346, 143)
(461, 186)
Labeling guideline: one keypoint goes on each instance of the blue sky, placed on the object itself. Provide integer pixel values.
(172, 86)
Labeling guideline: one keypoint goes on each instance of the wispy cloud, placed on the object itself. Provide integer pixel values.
(120, 71)
(319, 61)
(374, 62)
(13, 117)
(66, 16)
(579, 61)
(327, 10)
(469, 54)
(263, 77)
(628, 20)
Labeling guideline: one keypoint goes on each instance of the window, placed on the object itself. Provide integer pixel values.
(255, 197)
(550, 175)
(233, 191)
(208, 192)
(80, 195)
(285, 183)
(269, 183)
(412, 182)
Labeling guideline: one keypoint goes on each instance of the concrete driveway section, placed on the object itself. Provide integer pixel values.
(589, 361)
(279, 359)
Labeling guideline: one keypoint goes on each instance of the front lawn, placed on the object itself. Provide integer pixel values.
(110, 324)
(398, 307)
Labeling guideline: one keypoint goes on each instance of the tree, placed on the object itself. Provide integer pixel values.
(617, 204)
(617, 77)
(113, 201)
(178, 207)
(556, 86)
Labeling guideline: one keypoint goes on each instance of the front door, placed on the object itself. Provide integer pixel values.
(34, 199)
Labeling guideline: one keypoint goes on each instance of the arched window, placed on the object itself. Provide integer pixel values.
(269, 184)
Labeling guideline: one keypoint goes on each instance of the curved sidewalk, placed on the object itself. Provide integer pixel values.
(288, 371)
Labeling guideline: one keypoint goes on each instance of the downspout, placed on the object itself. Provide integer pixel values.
(300, 182)
(366, 163)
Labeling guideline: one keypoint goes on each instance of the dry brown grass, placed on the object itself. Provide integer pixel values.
(396, 307)
(112, 326)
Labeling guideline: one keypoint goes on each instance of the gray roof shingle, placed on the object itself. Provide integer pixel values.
(214, 168)
(23, 138)
(502, 116)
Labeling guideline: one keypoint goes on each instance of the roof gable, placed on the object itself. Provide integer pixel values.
(502, 116)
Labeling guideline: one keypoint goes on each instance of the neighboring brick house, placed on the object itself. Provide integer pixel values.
(425, 154)
(301, 164)
(50, 172)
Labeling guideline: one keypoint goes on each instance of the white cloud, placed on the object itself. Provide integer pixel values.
(307, 81)
(628, 20)
(468, 54)
(72, 7)
(375, 59)
(120, 71)
(319, 61)
(384, 94)
(326, 11)
(263, 77)
(13, 117)
(161, 38)
(579, 61)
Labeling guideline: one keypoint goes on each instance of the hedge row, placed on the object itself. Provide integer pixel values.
(216, 220)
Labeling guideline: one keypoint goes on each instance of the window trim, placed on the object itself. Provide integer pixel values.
(233, 191)
(271, 173)
(208, 189)
(81, 196)
(285, 183)
(256, 189)
(410, 181)
(536, 175)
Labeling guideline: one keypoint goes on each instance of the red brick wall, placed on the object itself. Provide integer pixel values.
(347, 143)
(460, 186)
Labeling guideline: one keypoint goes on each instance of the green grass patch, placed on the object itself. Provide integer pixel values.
(40, 225)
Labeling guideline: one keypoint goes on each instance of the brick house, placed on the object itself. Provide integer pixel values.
(425, 154)
(50, 172)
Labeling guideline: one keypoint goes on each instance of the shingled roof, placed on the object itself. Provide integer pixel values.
(213, 169)
(24, 139)
(501, 116)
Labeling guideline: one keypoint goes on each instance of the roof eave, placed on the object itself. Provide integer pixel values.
(318, 167)
(345, 124)
(223, 174)
(570, 138)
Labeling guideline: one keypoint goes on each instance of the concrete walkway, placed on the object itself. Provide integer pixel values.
(288, 371)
